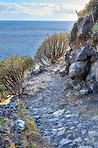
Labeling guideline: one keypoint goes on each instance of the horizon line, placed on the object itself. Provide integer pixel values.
(34, 20)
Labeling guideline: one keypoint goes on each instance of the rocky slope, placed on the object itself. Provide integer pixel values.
(82, 57)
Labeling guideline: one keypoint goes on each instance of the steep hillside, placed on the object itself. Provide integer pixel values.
(88, 8)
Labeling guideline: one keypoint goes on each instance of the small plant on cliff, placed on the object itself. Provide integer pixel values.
(95, 28)
(12, 72)
(88, 8)
(52, 49)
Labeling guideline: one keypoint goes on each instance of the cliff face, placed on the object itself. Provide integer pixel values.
(82, 57)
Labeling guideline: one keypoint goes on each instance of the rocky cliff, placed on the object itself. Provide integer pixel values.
(82, 57)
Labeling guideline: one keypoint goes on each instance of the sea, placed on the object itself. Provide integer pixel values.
(25, 37)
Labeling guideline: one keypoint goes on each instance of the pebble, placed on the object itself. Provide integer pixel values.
(69, 116)
(85, 146)
(93, 134)
(78, 139)
(59, 112)
(65, 142)
(13, 104)
(20, 124)
(54, 131)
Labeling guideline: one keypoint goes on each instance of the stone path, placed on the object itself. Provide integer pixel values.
(58, 118)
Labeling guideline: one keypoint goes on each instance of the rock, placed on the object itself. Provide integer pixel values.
(93, 73)
(81, 30)
(87, 139)
(72, 128)
(65, 142)
(59, 112)
(84, 26)
(43, 68)
(46, 132)
(18, 143)
(83, 131)
(74, 33)
(85, 91)
(93, 134)
(79, 70)
(36, 117)
(67, 55)
(52, 120)
(68, 112)
(61, 131)
(78, 139)
(94, 87)
(96, 144)
(69, 116)
(86, 52)
(69, 87)
(85, 146)
(13, 104)
(74, 145)
(62, 74)
(37, 71)
(54, 131)
(14, 116)
(20, 124)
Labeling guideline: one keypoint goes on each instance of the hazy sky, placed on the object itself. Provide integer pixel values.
(40, 9)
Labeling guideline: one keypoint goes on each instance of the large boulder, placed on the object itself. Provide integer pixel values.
(85, 62)
(84, 26)
(79, 70)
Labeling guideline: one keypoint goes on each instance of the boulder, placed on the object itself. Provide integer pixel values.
(85, 53)
(84, 26)
(79, 69)
(92, 77)
(93, 73)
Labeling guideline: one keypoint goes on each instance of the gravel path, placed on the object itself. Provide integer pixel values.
(66, 123)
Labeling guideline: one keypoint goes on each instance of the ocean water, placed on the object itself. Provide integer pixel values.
(25, 37)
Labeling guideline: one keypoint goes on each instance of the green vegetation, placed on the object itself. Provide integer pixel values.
(52, 49)
(88, 8)
(62, 62)
(31, 133)
(3, 91)
(2, 122)
(95, 28)
(12, 72)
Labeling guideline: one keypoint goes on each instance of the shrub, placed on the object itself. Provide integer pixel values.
(51, 49)
(12, 72)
